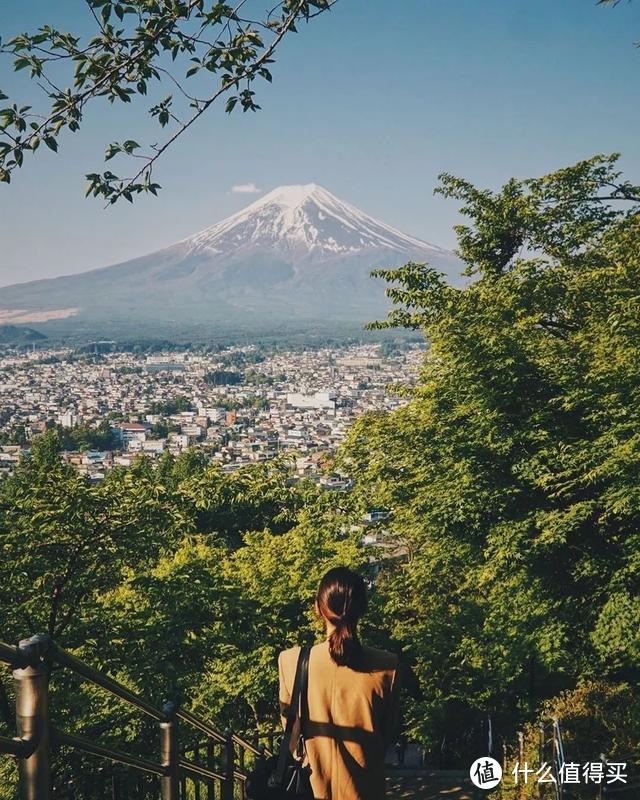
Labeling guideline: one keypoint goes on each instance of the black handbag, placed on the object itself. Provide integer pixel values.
(283, 777)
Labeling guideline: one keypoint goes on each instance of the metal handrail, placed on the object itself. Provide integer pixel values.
(558, 756)
(607, 791)
(31, 661)
(92, 675)
(85, 746)
(15, 747)
(200, 770)
(558, 737)
(550, 733)
(203, 727)
(257, 751)
(8, 654)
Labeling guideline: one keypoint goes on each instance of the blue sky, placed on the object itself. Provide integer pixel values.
(372, 101)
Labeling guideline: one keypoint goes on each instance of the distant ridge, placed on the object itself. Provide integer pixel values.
(297, 255)
(18, 334)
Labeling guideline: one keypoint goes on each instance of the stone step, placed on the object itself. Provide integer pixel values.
(444, 785)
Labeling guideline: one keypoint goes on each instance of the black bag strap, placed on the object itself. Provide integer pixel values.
(303, 704)
(298, 709)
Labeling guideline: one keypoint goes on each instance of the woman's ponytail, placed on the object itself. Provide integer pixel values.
(342, 600)
(344, 644)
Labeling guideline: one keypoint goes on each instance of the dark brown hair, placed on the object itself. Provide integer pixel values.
(342, 600)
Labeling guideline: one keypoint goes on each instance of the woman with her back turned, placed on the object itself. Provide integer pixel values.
(352, 696)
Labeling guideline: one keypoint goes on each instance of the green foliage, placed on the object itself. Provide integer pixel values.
(179, 580)
(84, 437)
(64, 539)
(141, 47)
(173, 406)
(240, 358)
(597, 718)
(16, 435)
(223, 377)
(513, 472)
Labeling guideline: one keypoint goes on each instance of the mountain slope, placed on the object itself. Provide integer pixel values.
(297, 254)
(18, 334)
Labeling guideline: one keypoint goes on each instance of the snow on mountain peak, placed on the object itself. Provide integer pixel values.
(290, 196)
(304, 220)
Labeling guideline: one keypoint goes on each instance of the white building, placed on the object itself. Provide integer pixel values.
(318, 400)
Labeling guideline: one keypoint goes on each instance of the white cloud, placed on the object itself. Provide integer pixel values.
(246, 188)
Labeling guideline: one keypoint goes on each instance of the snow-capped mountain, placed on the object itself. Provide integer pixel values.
(304, 220)
(297, 255)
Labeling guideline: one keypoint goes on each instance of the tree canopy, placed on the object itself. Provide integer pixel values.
(512, 475)
(200, 51)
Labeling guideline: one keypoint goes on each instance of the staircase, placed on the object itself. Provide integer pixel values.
(193, 760)
(413, 784)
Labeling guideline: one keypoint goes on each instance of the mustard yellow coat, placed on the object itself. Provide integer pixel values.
(351, 715)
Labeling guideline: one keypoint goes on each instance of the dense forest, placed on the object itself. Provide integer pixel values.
(511, 478)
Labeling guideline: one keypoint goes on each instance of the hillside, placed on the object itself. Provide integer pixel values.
(15, 334)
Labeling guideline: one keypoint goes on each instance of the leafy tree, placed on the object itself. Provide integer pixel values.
(202, 575)
(512, 473)
(173, 406)
(64, 539)
(222, 377)
(65, 542)
(141, 47)
(240, 358)
(15, 435)
(84, 437)
(160, 430)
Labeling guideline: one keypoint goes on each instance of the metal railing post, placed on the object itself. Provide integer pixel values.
(229, 766)
(558, 757)
(602, 791)
(169, 754)
(521, 747)
(241, 756)
(211, 764)
(540, 753)
(32, 718)
(196, 785)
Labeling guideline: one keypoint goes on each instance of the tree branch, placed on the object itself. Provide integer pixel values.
(224, 88)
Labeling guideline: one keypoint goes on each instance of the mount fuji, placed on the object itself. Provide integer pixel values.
(297, 255)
